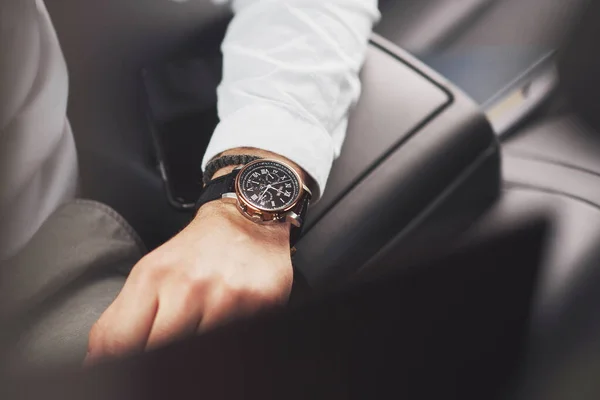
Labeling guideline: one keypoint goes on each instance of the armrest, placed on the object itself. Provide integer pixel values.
(417, 150)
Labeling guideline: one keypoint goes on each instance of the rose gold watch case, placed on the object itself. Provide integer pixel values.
(263, 216)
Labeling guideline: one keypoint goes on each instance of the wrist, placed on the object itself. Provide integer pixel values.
(272, 230)
(227, 216)
(262, 154)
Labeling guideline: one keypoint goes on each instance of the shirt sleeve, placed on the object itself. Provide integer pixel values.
(290, 77)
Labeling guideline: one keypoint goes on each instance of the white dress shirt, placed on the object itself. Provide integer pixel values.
(290, 77)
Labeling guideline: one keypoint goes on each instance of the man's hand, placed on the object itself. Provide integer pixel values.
(220, 267)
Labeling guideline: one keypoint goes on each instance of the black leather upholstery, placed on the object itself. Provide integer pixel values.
(216, 188)
(480, 45)
(579, 64)
(562, 351)
(424, 27)
(416, 146)
(558, 159)
(553, 165)
(559, 154)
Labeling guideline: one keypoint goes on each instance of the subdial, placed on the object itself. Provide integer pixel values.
(266, 196)
(270, 178)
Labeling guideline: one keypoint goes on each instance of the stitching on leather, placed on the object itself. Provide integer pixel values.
(533, 188)
(116, 217)
(523, 155)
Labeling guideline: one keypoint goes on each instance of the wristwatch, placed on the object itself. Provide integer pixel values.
(265, 191)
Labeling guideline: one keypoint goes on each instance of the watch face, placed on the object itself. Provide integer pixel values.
(269, 185)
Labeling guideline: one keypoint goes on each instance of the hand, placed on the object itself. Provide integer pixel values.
(220, 267)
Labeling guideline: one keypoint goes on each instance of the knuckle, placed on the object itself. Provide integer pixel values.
(150, 269)
(115, 347)
(197, 284)
(270, 296)
(191, 288)
(252, 294)
(233, 288)
(102, 342)
(96, 335)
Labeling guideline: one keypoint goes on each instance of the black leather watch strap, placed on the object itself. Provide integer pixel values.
(216, 188)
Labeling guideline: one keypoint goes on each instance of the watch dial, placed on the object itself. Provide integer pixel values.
(269, 185)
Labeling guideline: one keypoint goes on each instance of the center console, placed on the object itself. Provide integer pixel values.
(419, 156)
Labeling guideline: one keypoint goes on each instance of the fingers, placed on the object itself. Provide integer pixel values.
(228, 304)
(165, 300)
(143, 319)
(179, 312)
(125, 326)
(188, 306)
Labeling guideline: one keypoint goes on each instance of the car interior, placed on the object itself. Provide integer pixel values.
(471, 111)
(327, 348)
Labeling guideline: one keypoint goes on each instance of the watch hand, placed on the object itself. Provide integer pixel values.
(278, 190)
(263, 193)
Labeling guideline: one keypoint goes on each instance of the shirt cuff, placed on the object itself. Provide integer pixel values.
(277, 130)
